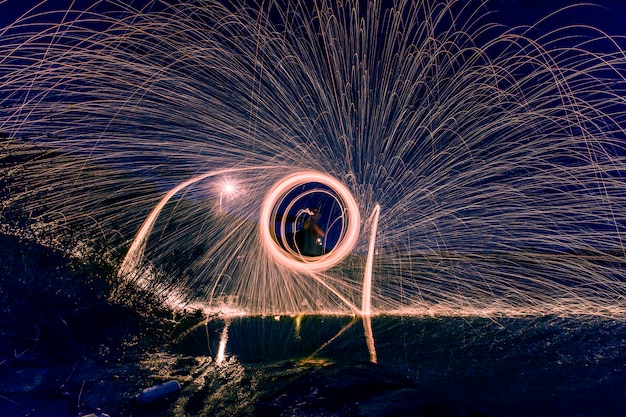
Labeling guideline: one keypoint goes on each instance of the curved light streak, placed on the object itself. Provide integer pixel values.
(137, 248)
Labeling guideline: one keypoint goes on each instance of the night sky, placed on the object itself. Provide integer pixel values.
(608, 16)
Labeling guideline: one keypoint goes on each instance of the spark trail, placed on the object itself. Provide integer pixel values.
(494, 155)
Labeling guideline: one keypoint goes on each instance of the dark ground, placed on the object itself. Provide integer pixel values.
(74, 341)
(68, 349)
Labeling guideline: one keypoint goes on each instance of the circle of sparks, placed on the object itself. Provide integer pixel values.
(275, 243)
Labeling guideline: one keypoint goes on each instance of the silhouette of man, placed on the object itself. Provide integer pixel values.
(313, 235)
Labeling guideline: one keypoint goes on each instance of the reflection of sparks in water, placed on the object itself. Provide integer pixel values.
(297, 327)
(221, 349)
(369, 337)
(496, 157)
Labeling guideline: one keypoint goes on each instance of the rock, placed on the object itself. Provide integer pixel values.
(157, 393)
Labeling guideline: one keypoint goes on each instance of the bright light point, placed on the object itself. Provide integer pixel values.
(277, 318)
(229, 188)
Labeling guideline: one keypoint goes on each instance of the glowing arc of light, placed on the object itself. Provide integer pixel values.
(138, 245)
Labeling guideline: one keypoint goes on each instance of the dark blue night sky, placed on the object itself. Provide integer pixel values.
(607, 14)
